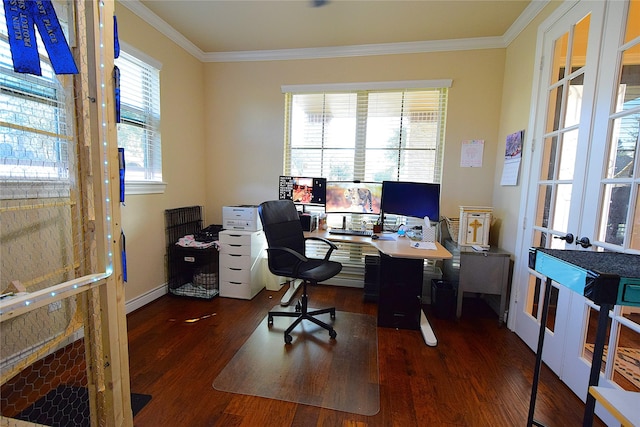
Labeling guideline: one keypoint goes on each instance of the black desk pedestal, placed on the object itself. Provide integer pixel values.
(400, 292)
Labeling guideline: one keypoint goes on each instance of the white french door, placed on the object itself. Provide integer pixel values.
(583, 178)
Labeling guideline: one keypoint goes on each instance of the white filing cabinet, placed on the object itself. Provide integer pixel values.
(241, 263)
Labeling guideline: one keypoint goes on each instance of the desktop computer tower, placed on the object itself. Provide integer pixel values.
(371, 278)
(400, 292)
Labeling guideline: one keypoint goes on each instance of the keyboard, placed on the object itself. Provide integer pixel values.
(362, 233)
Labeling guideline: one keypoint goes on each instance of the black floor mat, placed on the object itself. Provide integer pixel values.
(67, 406)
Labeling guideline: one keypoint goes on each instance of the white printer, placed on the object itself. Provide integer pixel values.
(241, 217)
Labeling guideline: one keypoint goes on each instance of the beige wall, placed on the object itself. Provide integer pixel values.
(223, 124)
(183, 124)
(245, 119)
(516, 106)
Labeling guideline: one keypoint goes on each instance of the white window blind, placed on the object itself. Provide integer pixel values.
(367, 135)
(139, 127)
(36, 130)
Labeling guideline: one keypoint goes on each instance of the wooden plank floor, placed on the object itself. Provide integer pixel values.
(479, 374)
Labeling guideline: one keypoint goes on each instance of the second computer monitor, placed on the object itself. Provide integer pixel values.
(353, 197)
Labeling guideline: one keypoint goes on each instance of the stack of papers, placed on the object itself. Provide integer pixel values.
(424, 245)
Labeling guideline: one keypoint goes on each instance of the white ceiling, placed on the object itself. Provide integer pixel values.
(215, 28)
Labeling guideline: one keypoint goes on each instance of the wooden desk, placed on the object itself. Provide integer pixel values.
(401, 270)
(389, 244)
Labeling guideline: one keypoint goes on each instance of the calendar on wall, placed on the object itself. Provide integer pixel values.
(475, 222)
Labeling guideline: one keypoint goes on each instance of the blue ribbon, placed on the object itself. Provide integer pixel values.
(116, 91)
(116, 39)
(21, 15)
(22, 37)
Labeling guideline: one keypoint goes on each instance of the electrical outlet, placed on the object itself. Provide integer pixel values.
(55, 306)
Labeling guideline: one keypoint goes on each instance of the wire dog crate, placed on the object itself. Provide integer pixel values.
(191, 271)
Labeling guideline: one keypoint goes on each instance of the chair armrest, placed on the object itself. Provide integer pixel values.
(298, 255)
(332, 246)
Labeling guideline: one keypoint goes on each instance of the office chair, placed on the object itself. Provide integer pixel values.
(286, 257)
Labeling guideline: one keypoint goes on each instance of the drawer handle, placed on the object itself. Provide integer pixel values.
(236, 283)
(235, 269)
(235, 255)
(235, 246)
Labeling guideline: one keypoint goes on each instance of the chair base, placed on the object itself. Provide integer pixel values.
(304, 314)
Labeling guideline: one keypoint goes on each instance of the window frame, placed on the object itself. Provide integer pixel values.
(144, 120)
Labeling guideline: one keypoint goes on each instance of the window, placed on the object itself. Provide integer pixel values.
(139, 127)
(368, 134)
(36, 128)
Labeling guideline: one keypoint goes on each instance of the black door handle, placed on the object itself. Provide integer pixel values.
(584, 242)
(568, 238)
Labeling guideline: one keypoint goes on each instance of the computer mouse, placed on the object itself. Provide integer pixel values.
(375, 236)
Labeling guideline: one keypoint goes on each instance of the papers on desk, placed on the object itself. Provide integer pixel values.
(424, 245)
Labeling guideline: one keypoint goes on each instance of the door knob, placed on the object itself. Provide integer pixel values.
(568, 238)
(584, 242)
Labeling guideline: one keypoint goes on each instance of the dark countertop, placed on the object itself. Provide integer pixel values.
(623, 265)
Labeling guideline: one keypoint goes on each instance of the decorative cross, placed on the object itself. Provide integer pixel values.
(475, 225)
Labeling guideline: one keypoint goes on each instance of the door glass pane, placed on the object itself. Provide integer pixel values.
(579, 45)
(561, 207)
(629, 83)
(560, 58)
(635, 223)
(622, 153)
(533, 296)
(539, 239)
(626, 372)
(592, 327)
(574, 101)
(614, 213)
(633, 29)
(555, 107)
(544, 205)
(553, 309)
(568, 155)
(549, 158)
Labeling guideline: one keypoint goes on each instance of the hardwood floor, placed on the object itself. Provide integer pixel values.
(479, 374)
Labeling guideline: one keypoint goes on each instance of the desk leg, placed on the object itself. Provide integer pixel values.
(596, 363)
(536, 371)
(427, 332)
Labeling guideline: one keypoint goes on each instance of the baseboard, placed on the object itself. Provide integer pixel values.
(146, 298)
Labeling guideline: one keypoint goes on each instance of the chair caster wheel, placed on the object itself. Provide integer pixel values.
(298, 307)
(287, 339)
(333, 314)
(333, 334)
(270, 320)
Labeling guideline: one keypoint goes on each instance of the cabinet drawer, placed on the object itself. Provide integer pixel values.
(235, 249)
(230, 289)
(629, 293)
(235, 238)
(235, 261)
(233, 274)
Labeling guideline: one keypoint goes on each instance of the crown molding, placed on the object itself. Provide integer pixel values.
(525, 18)
(503, 41)
(161, 25)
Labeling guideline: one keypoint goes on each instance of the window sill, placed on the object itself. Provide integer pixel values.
(144, 187)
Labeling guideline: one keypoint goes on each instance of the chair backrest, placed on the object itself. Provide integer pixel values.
(282, 228)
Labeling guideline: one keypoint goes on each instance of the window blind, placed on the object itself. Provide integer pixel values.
(139, 128)
(367, 135)
(35, 127)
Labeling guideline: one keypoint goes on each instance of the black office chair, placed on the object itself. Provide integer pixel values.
(286, 257)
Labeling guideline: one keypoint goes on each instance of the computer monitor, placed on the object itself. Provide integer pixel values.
(412, 199)
(303, 190)
(353, 197)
